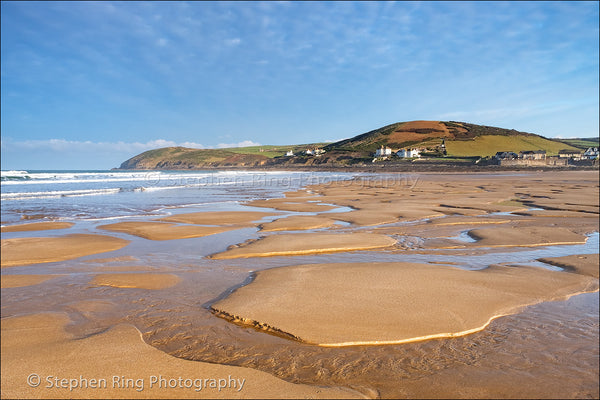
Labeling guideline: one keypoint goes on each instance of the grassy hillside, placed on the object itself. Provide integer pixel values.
(462, 139)
(582, 143)
(272, 151)
(490, 144)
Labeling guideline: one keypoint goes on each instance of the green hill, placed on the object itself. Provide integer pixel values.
(461, 139)
(186, 158)
(581, 143)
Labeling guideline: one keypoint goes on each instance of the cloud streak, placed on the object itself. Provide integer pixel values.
(62, 145)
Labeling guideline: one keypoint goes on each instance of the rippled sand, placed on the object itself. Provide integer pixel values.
(114, 357)
(138, 280)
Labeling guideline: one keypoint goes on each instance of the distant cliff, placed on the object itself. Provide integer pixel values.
(184, 158)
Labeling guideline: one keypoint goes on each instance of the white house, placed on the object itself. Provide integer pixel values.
(591, 153)
(383, 152)
(409, 153)
(289, 154)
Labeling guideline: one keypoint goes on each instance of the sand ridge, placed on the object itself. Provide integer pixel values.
(25, 251)
(350, 304)
(586, 264)
(164, 231)
(136, 280)
(13, 281)
(295, 204)
(36, 226)
(219, 218)
(525, 236)
(298, 222)
(307, 243)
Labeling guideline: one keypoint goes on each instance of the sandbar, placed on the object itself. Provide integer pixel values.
(36, 226)
(25, 251)
(298, 222)
(138, 281)
(218, 217)
(297, 204)
(349, 304)
(307, 243)
(586, 264)
(163, 231)
(12, 281)
(39, 344)
(525, 236)
(468, 221)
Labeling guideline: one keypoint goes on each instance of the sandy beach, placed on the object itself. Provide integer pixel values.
(391, 297)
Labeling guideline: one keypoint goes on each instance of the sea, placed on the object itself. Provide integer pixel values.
(549, 350)
(115, 194)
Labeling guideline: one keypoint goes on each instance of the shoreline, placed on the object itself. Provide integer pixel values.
(383, 168)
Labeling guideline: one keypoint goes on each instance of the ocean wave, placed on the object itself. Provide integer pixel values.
(14, 175)
(151, 177)
(57, 194)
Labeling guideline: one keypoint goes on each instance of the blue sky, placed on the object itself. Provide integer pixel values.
(87, 85)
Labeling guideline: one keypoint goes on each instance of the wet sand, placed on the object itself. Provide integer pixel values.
(297, 223)
(163, 231)
(138, 281)
(36, 226)
(312, 286)
(218, 217)
(585, 264)
(118, 364)
(25, 251)
(13, 281)
(311, 243)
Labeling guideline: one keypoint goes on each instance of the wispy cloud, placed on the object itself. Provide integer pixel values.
(62, 145)
(89, 70)
(233, 41)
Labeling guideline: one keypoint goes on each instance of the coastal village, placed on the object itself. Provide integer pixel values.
(504, 158)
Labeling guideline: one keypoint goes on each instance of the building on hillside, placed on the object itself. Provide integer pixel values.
(591, 153)
(573, 154)
(314, 152)
(409, 153)
(506, 155)
(383, 152)
(532, 155)
(290, 153)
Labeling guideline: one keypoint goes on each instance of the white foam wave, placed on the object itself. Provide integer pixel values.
(13, 173)
(57, 194)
